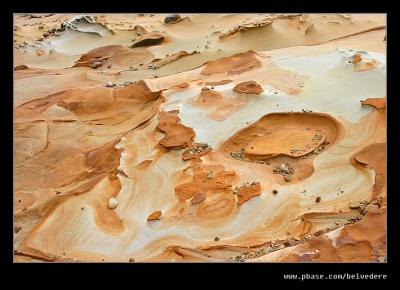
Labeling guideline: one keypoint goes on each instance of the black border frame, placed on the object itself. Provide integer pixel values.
(175, 272)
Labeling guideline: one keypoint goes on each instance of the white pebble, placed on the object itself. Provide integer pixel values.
(96, 64)
(112, 203)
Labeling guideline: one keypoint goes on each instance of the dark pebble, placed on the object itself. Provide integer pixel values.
(172, 18)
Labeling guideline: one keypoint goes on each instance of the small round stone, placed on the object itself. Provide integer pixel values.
(287, 178)
(112, 203)
(96, 64)
(17, 229)
(110, 84)
(274, 191)
(172, 18)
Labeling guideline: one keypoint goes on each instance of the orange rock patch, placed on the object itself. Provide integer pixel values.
(99, 104)
(257, 136)
(154, 216)
(21, 67)
(374, 155)
(198, 197)
(67, 158)
(199, 149)
(361, 65)
(220, 106)
(235, 64)
(187, 156)
(177, 136)
(364, 241)
(219, 206)
(148, 39)
(211, 187)
(250, 87)
(247, 192)
(97, 54)
(209, 97)
(206, 181)
(180, 85)
(357, 58)
(377, 103)
(291, 142)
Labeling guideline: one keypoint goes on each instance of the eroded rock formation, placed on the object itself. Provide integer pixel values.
(254, 139)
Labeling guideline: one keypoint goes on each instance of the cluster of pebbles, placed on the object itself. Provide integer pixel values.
(252, 254)
(46, 34)
(53, 31)
(286, 170)
(239, 155)
(316, 138)
(316, 151)
(353, 219)
(236, 189)
(280, 244)
(20, 45)
(210, 175)
(71, 24)
(198, 148)
(360, 205)
(112, 84)
(152, 66)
